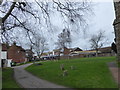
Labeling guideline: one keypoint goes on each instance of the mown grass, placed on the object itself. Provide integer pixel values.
(8, 79)
(119, 64)
(88, 73)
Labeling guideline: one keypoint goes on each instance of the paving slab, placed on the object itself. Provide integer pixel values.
(115, 72)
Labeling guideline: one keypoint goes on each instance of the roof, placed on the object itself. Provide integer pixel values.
(75, 49)
(19, 47)
(5, 47)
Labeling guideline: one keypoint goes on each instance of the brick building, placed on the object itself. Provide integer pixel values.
(16, 53)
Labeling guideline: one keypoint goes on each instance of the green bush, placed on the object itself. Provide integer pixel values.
(13, 64)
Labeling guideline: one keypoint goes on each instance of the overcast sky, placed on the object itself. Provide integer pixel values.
(102, 19)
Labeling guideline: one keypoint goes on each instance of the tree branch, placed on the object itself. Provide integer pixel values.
(9, 12)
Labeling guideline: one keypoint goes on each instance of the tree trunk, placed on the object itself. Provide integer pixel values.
(96, 52)
(39, 56)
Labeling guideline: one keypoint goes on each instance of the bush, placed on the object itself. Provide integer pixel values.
(13, 64)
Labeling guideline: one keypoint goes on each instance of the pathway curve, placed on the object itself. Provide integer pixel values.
(115, 71)
(27, 80)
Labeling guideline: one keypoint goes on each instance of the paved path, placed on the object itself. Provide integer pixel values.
(27, 80)
(115, 71)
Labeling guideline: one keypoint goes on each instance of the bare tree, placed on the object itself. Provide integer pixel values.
(18, 14)
(40, 45)
(14, 15)
(97, 41)
(64, 39)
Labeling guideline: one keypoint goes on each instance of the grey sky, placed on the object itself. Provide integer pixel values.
(103, 19)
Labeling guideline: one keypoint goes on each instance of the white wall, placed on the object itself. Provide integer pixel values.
(53, 53)
(3, 55)
(9, 62)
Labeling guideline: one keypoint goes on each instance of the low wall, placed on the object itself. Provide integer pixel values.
(88, 55)
(72, 57)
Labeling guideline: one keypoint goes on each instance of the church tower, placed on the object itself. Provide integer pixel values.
(117, 26)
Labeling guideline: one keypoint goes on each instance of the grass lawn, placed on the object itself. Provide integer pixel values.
(88, 73)
(119, 64)
(7, 79)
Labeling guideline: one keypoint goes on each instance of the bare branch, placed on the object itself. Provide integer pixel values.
(9, 12)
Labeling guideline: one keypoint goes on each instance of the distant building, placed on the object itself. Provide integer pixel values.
(58, 52)
(66, 51)
(78, 53)
(89, 53)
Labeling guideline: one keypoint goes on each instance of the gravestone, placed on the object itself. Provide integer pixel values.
(62, 67)
(65, 73)
(72, 67)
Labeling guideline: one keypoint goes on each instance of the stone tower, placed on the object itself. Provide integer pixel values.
(117, 26)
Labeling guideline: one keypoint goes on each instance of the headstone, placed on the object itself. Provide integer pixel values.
(72, 67)
(62, 67)
(65, 73)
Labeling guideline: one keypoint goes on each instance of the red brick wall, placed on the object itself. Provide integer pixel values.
(16, 54)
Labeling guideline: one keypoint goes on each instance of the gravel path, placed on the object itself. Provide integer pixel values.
(115, 71)
(27, 80)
